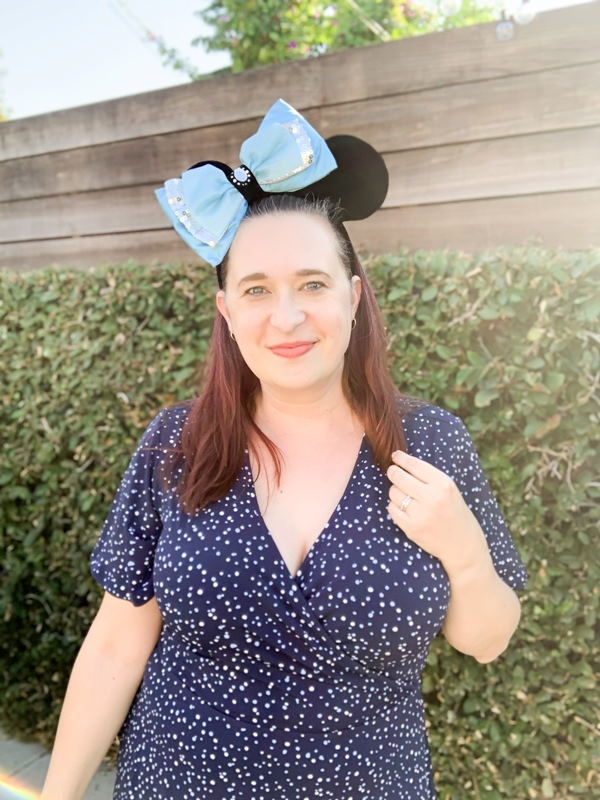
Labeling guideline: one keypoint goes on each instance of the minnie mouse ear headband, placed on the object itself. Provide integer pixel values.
(286, 155)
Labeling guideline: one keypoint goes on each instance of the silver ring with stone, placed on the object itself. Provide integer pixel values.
(405, 503)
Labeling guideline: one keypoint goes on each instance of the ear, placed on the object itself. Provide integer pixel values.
(356, 292)
(222, 306)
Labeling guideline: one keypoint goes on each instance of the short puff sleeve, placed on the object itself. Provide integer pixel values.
(123, 556)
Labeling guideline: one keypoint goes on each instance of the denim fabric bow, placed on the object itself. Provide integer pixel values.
(205, 207)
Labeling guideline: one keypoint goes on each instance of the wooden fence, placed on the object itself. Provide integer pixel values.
(487, 143)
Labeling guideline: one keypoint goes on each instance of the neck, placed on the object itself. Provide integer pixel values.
(327, 414)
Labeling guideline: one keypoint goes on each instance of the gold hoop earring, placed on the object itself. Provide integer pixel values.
(353, 324)
(232, 336)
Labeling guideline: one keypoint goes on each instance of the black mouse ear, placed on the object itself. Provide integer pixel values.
(360, 181)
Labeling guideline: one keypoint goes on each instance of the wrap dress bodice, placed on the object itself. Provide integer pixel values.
(269, 686)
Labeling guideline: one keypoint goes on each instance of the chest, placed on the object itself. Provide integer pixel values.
(312, 484)
(223, 576)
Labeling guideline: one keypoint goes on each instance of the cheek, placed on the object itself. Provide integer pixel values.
(251, 322)
(337, 319)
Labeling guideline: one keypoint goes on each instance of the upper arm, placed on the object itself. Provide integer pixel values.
(128, 631)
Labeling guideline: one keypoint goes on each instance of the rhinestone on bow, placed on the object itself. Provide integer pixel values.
(240, 176)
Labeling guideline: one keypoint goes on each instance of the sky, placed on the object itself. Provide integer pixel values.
(62, 53)
(57, 54)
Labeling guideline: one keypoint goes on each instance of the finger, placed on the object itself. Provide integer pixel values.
(401, 518)
(406, 482)
(397, 496)
(421, 469)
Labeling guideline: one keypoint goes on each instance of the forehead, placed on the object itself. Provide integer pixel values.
(282, 240)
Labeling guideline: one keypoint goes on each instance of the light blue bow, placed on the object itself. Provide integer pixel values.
(284, 155)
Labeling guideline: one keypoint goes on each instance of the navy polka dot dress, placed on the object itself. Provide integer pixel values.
(268, 686)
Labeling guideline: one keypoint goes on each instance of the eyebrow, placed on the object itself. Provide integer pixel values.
(260, 276)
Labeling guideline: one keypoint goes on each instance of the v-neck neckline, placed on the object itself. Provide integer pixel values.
(265, 530)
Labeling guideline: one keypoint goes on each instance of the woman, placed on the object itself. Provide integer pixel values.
(283, 548)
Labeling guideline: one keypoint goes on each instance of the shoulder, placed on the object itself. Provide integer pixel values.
(432, 430)
(165, 427)
(429, 418)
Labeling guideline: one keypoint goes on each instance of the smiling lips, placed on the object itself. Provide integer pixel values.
(292, 350)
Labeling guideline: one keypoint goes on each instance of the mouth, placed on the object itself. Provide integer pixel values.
(294, 350)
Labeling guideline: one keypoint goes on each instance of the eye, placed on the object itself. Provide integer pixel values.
(250, 291)
(319, 283)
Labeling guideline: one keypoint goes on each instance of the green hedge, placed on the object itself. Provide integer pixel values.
(506, 338)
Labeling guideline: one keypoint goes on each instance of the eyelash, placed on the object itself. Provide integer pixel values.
(261, 287)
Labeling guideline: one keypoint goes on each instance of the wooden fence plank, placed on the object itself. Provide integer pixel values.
(513, 105)
(562, 219)
(543, 162)
(558, 220)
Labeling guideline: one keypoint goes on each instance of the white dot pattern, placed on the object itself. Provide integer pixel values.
(268, 686)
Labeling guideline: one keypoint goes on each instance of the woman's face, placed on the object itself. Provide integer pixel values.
(266, 302)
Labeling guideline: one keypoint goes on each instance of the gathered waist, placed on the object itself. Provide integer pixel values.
(281, 694)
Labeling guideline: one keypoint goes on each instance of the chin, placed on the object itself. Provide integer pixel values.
(301, 380)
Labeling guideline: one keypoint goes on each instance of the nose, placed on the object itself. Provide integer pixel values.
(287, 313)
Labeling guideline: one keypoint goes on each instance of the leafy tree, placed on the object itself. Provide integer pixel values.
(259, 32)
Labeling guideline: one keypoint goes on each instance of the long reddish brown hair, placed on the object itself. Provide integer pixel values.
(221, 417)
